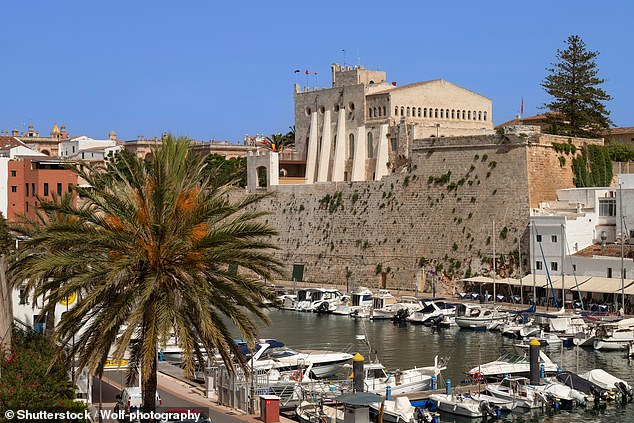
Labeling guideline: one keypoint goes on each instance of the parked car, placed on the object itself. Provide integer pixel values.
(202, 417)
(131, 400)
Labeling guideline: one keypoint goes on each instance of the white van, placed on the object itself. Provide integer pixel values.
(131, 399)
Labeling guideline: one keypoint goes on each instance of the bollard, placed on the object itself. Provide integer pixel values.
(388, 393)
(534, 361)
(448, 387)
(357, 371)
(433, 383)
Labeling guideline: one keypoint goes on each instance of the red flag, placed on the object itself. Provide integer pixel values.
(522, 107)
(394, 83)
(307, 72)
(297, 71)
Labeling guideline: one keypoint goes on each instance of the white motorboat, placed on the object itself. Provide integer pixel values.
(431, 311)
(288, 302)
(514, 327)
(406, 305)
(473, 316)
(304, 299)
(514, 363)
(272, 354)
(359, 299)
(518, 391)
(399, 410)
(380, 300)
(325, 300)
(462, 405)
(312, 412)
(606, 381)
(377, 378)
(614, 336)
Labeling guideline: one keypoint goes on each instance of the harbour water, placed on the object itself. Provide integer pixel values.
(406, 346)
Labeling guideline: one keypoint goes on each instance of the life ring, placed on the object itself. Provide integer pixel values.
(297, 375)
(477, 378)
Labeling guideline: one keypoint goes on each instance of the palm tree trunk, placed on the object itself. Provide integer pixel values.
(49, 325)
(6, 305)
(148, 388)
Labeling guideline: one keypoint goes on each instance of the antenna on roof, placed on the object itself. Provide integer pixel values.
(344, 57)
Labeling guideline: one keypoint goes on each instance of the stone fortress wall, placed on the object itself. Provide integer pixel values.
(435, 218)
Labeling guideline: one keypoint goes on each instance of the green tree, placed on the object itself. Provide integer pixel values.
(33, 378)
(149, 251)
(577, 105)
(221, 170)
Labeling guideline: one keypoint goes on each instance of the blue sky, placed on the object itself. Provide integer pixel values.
(223, 71)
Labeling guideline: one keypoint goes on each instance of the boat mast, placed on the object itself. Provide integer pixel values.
(622, 246)
(563, 253)
(494, 266)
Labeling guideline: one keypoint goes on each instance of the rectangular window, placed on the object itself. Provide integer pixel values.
(70, 187)
(59, 189)
(607, 207)
(26, 186)
(22, 297)
(45, 189)
(33, 190)
(574, 267)
(14, 173)
(14, 188)
(553, 266)
(539, 238)
(553, 238)
(27, 206)
(538, 265)
(609, 272)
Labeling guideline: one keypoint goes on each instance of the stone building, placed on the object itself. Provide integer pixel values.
(44, 144)
(363, 127)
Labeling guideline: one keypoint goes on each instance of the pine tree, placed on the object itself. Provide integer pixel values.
(577, 106)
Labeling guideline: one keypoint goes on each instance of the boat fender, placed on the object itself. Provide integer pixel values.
(476, 378)
(323, 307)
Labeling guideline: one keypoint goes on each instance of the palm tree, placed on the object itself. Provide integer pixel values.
(149, 252)
(278, 142)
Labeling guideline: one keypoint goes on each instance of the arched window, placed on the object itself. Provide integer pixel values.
(425, 112)
(370, 112)
(370, 146)
(436, 113)
(479, 115)
(463, 115)
(485, 115)
(384, 111)
(408, 111)
(453, 115)
(474, 115)
(374, 111)
(351, 146)
(402, 111)
(442, 113)
(395, 110)
(419, 110)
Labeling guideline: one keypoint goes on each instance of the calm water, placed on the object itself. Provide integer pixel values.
(407, 346)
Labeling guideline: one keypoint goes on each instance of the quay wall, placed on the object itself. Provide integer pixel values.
(439, 219)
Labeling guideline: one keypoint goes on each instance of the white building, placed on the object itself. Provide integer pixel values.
(92, 149)
(576, 240)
